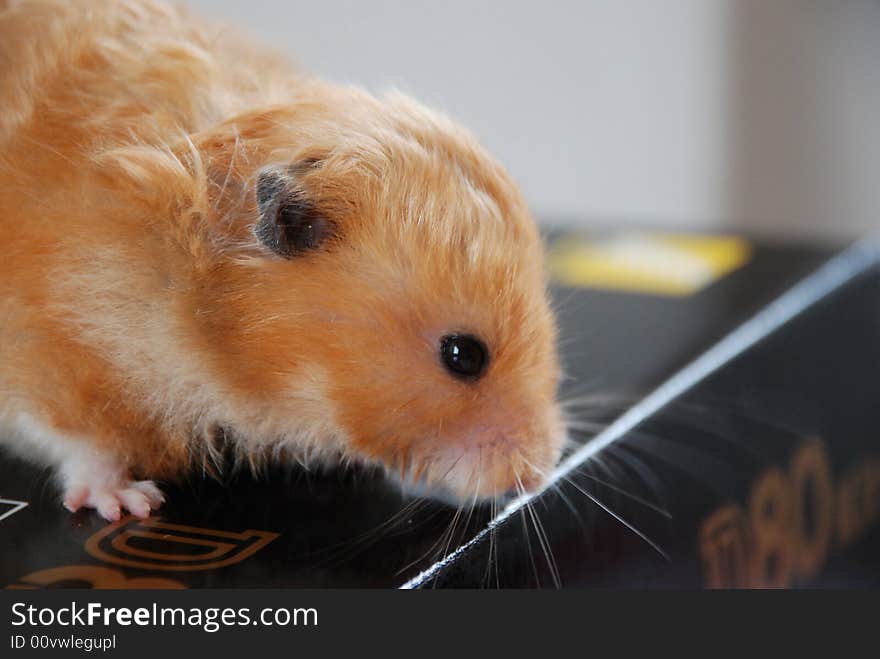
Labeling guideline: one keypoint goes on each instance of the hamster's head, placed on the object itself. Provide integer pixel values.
(389, 303)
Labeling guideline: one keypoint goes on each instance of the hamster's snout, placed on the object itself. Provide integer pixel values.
(465, 357)
(507, 452)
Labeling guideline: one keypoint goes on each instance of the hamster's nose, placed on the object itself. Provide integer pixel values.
(464, 356)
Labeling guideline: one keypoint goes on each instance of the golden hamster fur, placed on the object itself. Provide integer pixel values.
(196, 240)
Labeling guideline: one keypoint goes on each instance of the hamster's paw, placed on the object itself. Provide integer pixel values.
(97, 480)
(109, 499)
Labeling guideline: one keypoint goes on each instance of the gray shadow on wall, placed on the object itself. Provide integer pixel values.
(805, 117)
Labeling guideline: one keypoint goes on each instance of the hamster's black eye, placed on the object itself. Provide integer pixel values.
(464, 356)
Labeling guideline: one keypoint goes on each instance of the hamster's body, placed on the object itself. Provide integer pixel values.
(143, 310)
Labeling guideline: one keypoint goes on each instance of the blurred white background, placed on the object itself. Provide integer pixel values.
(759, 115)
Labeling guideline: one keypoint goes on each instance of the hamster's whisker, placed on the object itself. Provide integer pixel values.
(585, 425)
(547, 548)
(451, 533)
(442, 550)
(599, 461)
(487, 573)
(599, 503)
(429, 552)
(557, 488)
(629, 495)
(543, 539)
(584, 387)
(445, 539)
(619, 518)
(396, 411)
(467, 519)
(689, 411)
(601, 402)
(350, 547)
(449, 471)
(559, 302)
(495, 552)
(493, 546)
(624, 454)
(476, 496)
(698, 464)
(526, 535)
(419, 470)
(409, 508)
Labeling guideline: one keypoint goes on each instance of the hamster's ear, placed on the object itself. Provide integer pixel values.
(289, 224)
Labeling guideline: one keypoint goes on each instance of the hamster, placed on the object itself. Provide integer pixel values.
(198, 240)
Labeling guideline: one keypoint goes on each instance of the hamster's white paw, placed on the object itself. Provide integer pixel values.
(137, 497)
(93, 479)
